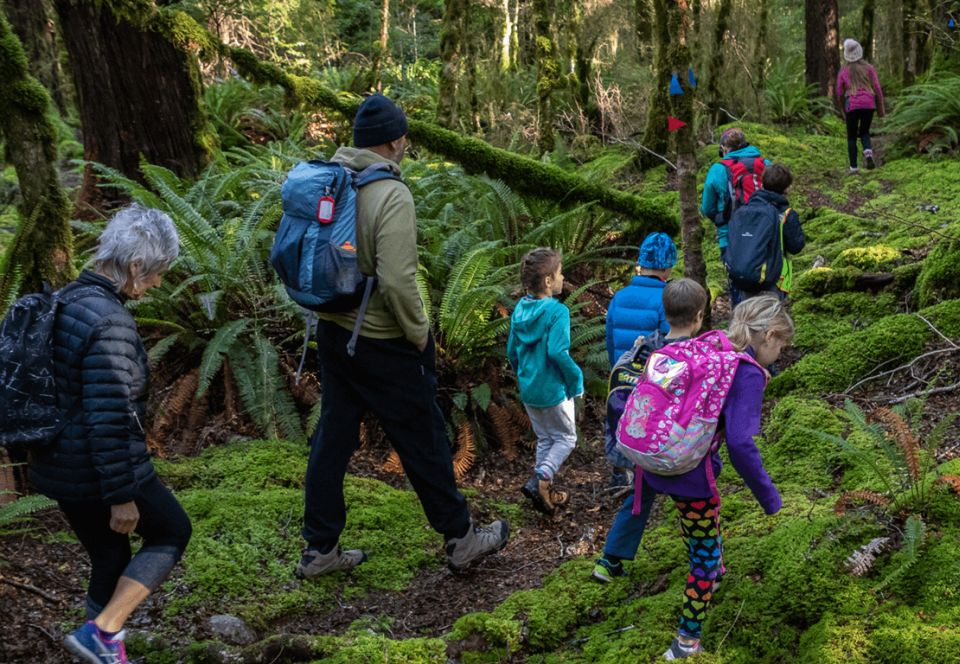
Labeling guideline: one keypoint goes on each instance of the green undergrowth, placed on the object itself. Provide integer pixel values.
(847, 358)
(246, 504)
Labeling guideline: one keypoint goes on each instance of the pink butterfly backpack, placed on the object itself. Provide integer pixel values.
(670, 420)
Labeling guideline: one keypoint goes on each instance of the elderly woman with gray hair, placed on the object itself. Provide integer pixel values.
(98, 469)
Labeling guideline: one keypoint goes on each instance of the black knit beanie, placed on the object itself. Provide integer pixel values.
(378, 121)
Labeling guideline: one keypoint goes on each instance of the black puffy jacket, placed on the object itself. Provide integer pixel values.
(101, 370)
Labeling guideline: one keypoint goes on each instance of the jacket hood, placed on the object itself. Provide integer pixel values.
(748, 151)
(358, 159)
(532, 318)
(771, 197)
(93, 279)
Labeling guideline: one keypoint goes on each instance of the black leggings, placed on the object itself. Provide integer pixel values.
(163, 525)
(858, 126)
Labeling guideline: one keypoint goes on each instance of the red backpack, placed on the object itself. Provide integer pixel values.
(744, 176)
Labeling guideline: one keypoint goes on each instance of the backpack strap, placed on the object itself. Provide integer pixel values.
(373, 173)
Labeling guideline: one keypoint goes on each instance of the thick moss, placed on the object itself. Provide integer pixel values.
(246, 503)
(819, 320)
(872, 258)
(795, 456)
(830, 642)
(940, 277)
(852, 356)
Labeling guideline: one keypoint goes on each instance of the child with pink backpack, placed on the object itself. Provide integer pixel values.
(692, 393)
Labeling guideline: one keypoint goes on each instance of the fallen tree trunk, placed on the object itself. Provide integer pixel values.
(476, 156)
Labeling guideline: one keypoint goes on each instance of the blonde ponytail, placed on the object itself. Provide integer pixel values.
(756, 316)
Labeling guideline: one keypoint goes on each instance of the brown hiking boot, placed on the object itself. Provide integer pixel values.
(479, 541)
(545, 498)
(313, 563)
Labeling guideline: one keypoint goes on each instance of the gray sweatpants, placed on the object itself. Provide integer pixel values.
(556, 436)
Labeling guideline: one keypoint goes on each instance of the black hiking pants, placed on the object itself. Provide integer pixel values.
(858, 126)
(163, 525)
(398, 384)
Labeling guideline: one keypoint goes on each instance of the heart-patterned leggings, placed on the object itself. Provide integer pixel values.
(700, 526)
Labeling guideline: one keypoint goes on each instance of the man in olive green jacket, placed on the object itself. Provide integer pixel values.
(392, 373)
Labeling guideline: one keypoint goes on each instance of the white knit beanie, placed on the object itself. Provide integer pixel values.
(852, 50)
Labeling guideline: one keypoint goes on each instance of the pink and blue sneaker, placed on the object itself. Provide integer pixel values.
(92, 645)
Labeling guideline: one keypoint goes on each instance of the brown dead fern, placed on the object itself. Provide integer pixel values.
(175, 403)
(392, 464)
(900, 433)
(518, 416)
(466, 453)
(508, 434)
(850, 498)
(306, 390)
(952, 482)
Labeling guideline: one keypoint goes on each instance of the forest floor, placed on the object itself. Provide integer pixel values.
(43, 569)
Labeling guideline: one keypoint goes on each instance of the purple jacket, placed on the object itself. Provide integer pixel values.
(741, 419)
(861, 98)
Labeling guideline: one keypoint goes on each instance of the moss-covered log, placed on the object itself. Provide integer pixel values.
(477, 156)
(940, 276)
(42, 249)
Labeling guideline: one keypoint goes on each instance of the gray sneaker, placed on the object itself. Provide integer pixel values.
(313, 563)
(478, 542)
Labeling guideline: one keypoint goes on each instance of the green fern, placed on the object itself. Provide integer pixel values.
(22, 508)
(914, 531)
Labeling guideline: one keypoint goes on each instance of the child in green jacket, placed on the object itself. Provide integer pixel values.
(539, 351)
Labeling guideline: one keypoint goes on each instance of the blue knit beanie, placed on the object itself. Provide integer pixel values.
(658, 252)
(378, 121)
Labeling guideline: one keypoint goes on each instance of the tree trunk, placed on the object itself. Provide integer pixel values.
(680, 28)
(138, 91)
(33, 24)
(548, 70)
(822, 45)
(506, 37)
(470, 48)
(760, 48)
(643, 29)
(43, 246)
(717, 62)
(384, 42)
(451, 44)
(581, 56)
(866, 27)
(655, 134)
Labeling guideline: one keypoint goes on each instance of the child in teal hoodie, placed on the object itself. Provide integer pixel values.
(539, 352)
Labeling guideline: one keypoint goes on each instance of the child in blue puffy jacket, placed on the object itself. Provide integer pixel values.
(636, 310)
(539, 352)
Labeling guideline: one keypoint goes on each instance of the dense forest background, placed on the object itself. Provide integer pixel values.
(533, 122)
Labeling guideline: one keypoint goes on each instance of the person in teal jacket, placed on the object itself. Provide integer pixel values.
(716, 203)
(539, 352)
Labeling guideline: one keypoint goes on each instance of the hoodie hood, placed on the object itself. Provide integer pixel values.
(533, 317)
(358, 159)
(748, 151)
(778, 201)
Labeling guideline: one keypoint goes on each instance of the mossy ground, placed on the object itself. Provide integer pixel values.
(788, 595)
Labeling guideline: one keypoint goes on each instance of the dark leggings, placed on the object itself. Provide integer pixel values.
(163, 525)
(858, 126)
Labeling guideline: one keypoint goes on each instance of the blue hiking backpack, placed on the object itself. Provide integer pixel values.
(315, 248)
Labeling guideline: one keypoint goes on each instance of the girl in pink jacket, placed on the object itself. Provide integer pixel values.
(859, 91)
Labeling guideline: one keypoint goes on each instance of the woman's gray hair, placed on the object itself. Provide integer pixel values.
(756, 316)
(140, 235)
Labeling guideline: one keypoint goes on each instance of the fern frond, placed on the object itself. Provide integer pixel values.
(904, 438)
(22, 508)
(159, 349)
(465, 455)
(848, 498)
(215, 350)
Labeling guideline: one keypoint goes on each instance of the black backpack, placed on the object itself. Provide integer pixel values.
(29, 413)
(755, 258)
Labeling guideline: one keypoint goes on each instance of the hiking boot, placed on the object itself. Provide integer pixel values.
(605, 571)
(679, 650)
(853, 170)
(89, 644)
(313, 563)
(479, 541)
(868, 157)
(545, 498)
